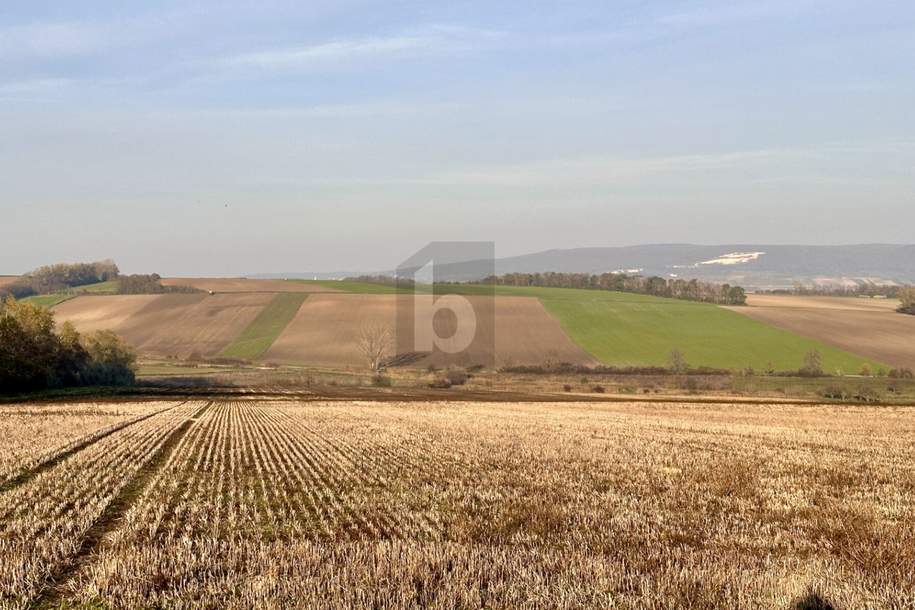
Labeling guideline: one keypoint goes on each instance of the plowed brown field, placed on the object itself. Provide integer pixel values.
(242, 285)
(869, 327)
(325, 331)
(7, 279)
(167, 324)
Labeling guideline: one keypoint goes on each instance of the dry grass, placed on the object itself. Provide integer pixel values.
(290, 504)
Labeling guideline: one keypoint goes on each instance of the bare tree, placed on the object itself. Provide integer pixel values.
(676, 361)
(374, 343)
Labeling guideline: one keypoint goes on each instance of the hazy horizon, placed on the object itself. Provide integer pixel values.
(233, 138)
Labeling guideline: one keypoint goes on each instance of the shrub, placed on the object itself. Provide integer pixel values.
(456, 376)
(866, 370)
(440, 383)
(567, 388)
(598, 389)
(834, 392)
(380, 380)
(868, 395)
(901, 373)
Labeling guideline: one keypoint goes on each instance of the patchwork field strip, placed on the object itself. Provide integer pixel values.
(266, 327)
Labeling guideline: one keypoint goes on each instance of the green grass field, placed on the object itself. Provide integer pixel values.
(266, 327)
(109, 287)
(628, 329)
(48, 300)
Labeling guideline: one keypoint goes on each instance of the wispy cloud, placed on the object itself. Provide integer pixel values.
(816, 162)
(435, 39)
(48, 40)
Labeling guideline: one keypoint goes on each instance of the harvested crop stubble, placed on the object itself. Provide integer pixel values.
(43, 522)
(352, 505)
(34, 434)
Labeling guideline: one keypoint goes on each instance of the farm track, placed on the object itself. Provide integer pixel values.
(93, 438)
(113, 514)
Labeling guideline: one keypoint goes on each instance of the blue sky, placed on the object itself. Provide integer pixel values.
(236, 137)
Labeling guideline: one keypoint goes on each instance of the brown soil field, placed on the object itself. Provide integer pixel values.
(7, 279)
(242, 504)
(167, 324)
(845, 303)
(869, 327)
(325, 331)
(242, 285)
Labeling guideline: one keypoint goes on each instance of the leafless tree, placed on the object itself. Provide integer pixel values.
(374, 343)
(676, 360)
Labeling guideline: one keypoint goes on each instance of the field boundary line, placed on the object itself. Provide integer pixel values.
(113, 514)
(84, 443)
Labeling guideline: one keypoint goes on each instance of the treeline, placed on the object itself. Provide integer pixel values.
(674, 288)
(60, 277)
(148, 284)
(862, 288)
(35, 356)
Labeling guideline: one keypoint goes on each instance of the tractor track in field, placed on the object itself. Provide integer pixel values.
(30, 473)
(112, 516)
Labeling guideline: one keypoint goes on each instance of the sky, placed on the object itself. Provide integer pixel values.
(228, 137)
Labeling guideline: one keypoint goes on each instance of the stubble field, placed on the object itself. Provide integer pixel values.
(297, 504)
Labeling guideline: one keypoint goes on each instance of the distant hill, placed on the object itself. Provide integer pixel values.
(750, 265)
(757, 266)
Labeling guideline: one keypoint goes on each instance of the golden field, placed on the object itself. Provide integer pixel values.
(299, 504)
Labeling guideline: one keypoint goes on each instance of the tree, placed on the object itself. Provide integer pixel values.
(907, 296)
(33, 356)
(28, 347)
(111, 361)
(813, 364)
(676, 360)
(374, 342)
